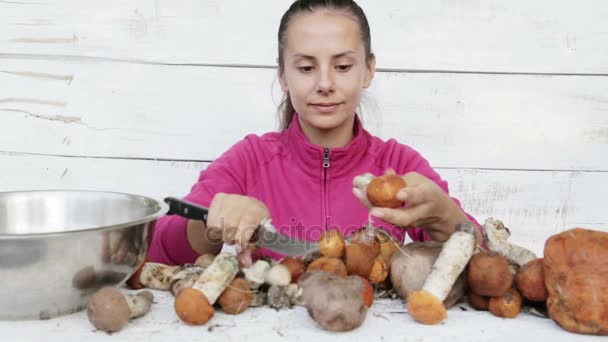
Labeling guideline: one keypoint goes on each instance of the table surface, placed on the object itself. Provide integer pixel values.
(387, 320)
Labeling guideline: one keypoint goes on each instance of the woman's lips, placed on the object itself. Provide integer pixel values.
(326, 107)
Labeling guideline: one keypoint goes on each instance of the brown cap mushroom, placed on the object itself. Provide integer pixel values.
(382, 191)
(331, 243)
(333, 265)
(295, 266)
(530, 281)
(360, 258)
(489, 274)
(507, 305)
(193, 307)
(109, 310)
(237, 297)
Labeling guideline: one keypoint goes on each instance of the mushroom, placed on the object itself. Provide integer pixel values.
(507, 306)
(495, 235)
(360, 258)
(489, 274)
(161, 277)
(205, 260)
(295, 266)
(183, 283)
(426, 306)
(278, 275)
(382, 191)
(236, 298)
(379, 271)
(530, 281)
(328, 264)
(284, 297)
(256, 274)
(368, 293)
(195, 305)
(412, 265)
(133, 282)
(331, 243)
(334, 302)
(109, 310)
(478, 302)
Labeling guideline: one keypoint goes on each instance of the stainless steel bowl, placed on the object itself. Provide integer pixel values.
(58, 247)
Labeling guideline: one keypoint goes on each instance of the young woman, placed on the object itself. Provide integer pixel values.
(302, 176)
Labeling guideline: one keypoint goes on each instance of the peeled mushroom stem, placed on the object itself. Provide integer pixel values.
(495, 235)
(110, 310)
(426, 306)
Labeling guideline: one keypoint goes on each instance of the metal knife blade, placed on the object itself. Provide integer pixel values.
(265, 236)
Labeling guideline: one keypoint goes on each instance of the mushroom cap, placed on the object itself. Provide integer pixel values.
(478, 302)
(426, 308)
(489, 274)
(333, 265)
(360, 258)
(530, 280)
(332, 244)
(368, 292)
(193, 307)
(237, 297)
(295, 266)
(379, 271)
(381, 191)
(507, 305)
(108, 309)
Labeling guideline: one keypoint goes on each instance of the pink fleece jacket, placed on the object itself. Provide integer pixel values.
(307, 188)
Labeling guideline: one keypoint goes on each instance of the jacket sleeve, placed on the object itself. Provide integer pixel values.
(414, 162)
(169, 243)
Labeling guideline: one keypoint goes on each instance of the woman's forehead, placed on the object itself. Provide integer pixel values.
(323, 32)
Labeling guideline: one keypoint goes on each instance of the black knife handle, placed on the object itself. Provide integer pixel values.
(186, 209)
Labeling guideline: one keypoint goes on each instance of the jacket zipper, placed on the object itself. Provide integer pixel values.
(325, 168)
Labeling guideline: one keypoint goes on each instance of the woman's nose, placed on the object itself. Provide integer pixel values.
(326, 83)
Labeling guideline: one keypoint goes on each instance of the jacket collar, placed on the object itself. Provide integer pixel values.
(309, 157)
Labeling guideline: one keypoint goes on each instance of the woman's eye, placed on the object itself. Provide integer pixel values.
(344, 67)
(307, 68)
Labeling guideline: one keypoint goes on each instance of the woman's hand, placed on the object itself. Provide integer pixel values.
(235, 218)
(426, 206)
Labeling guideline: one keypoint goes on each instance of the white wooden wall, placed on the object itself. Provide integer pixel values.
(507, 99)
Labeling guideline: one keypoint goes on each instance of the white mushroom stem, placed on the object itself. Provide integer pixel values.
(495, 235)
(256, 274)
(453, 258)
(161, 277)
(184, 283)
(216, 278)
(139, 303)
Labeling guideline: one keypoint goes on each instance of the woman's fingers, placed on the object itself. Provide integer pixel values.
(362, 196)
(404, 217)
(415, 194)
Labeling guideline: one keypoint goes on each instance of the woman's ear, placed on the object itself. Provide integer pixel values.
(282, 81)
(371, 71)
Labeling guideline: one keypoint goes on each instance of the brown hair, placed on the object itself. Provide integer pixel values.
(286, 109)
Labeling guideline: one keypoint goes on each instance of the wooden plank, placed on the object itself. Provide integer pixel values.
(533, 204)
(494, 36)
(196, 113)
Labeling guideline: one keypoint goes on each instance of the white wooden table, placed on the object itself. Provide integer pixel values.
(386, 321)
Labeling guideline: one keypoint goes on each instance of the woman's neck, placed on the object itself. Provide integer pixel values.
(336, 137)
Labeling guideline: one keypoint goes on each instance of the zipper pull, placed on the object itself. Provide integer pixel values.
(325, 157)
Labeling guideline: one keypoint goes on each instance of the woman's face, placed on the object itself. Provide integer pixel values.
(325, 69)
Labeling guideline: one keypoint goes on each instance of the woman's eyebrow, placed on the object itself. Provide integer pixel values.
(338, 55)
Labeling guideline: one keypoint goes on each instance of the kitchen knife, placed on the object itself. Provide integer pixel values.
(265, 235)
